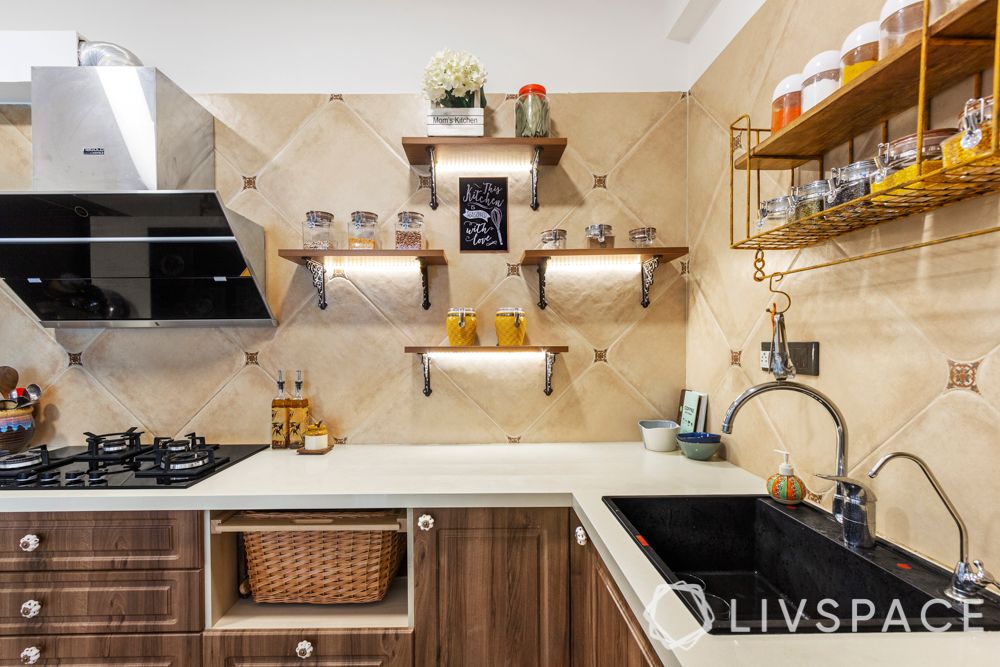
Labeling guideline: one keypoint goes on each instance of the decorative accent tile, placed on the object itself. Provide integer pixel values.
(425, 182)
(249, 182)
(813, 497)
(962, 375)
(510, 96)
(75, 358)
(251, 358)
(600, 355)
(735, 358)
(336, 97)
(513, 269)
(601, 181)
(340, 441)
(513, 439)
(685, 267)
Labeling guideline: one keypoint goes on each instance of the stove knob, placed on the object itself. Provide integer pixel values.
(30, 542)
(31, 608)
(30, 655)
(304, 649)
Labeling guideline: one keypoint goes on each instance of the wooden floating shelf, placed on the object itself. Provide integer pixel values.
(961, 44)
(425, 352)
(417, 154)
(303, 255)
(649, 259)
(313, 260)
(436, 349)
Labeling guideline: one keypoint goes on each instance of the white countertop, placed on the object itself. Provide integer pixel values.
(569, 475)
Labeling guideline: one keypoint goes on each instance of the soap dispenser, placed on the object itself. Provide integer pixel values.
(785, 487)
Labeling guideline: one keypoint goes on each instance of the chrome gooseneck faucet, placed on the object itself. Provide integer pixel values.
(822, 399)
(967, 580)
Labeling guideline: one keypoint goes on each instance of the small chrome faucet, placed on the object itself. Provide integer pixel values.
(859, 512)
(967, 580)
(822, 399)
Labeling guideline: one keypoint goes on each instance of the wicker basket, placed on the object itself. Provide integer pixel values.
(321, 566)
(17, 427)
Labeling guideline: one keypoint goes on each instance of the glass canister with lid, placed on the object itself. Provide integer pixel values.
(850, 182)
(775, 213)
(897, 160)
(317, 231)
(461, 327)
(810, 198)
(361, 231)
(820, 78)
(975, 135)
(642, 237)
(510, 326)
(409, 230)
(531, 111)
(554, 239)
(859, 52)
(600, 236)
(900, 18)
(786, 101)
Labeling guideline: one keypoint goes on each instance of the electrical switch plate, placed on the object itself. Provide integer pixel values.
(805, 357)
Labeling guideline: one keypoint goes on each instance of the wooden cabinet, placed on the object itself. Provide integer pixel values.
(492, 587)
(604, 629)
(177, 650)
(33, 541)
(314, 648)
(100, 602)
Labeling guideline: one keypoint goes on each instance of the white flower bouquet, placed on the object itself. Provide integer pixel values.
(452, 79)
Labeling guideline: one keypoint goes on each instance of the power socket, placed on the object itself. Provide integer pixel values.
(805, 357)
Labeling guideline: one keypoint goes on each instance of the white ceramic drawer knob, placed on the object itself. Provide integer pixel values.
(30, 655)
(29, 542)
(425, 522)
(31, 608)
(304, 649)
(581, 536)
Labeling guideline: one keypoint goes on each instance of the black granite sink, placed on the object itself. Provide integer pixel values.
(750, 553)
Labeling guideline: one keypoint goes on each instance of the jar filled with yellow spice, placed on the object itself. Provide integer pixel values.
(361, 231)
(975, 135)
(897, 161)
(859, 52)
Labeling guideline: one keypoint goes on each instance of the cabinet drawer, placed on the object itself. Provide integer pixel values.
(100, 541)
(325, 648)
(100, 602)
(104, 650)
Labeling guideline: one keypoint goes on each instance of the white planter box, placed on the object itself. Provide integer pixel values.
(456, 122)
(20, 50)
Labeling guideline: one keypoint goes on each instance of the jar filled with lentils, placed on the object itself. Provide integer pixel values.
(409, 231)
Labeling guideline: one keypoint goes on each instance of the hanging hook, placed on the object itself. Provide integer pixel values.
(770, 286)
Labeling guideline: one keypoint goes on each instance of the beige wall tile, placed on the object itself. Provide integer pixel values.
(15, 157)
(75, 403)
(237, 415)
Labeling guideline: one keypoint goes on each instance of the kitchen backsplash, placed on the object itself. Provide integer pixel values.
(279, 156)
(909, 342)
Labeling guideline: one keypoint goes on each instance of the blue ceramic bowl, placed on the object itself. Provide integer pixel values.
(699, 438)
(699, 451)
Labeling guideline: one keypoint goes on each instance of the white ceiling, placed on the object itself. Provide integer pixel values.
(354, 46)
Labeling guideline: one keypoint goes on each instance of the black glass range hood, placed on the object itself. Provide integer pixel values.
(133, 259)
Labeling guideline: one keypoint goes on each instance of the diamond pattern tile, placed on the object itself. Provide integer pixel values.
(26, 346)
(74, 403)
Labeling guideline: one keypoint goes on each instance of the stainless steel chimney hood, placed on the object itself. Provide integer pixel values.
(123, 226)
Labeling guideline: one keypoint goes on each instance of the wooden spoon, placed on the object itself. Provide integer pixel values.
(8, 380)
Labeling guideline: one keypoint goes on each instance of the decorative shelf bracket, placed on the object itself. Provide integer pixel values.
(432, 160)
(535, 159)
(542, 303)
(550, 360)
(425, 361)
(425, 283)
(318, 273)
(649, 267)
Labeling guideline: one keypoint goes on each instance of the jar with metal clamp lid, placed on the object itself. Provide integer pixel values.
(850, 182)
(361, 231)
(975, 136)
(409, 231)
(897, 161)
(642, 237)
(810, 198)
(510, 326)
(775, 213)
(600, 236)
(553, 239)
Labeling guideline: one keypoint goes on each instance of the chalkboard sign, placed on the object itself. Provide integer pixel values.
(482, 213)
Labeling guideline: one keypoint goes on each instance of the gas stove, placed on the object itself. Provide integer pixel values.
(120, 461)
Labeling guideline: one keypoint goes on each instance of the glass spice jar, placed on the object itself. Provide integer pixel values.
(820, 78)
(810, 198)
(317, 231)
(775, 213)
(859, 52)
(786, 101)
(897, 161)
(642, 237)
(975, 135)
(553, 239)
(900, 18)
(531, 112)
(361, 231)
(409, 230)
(600, 236)
(850, 182)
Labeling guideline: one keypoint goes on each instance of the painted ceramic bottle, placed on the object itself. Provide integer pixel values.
(785, 487)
